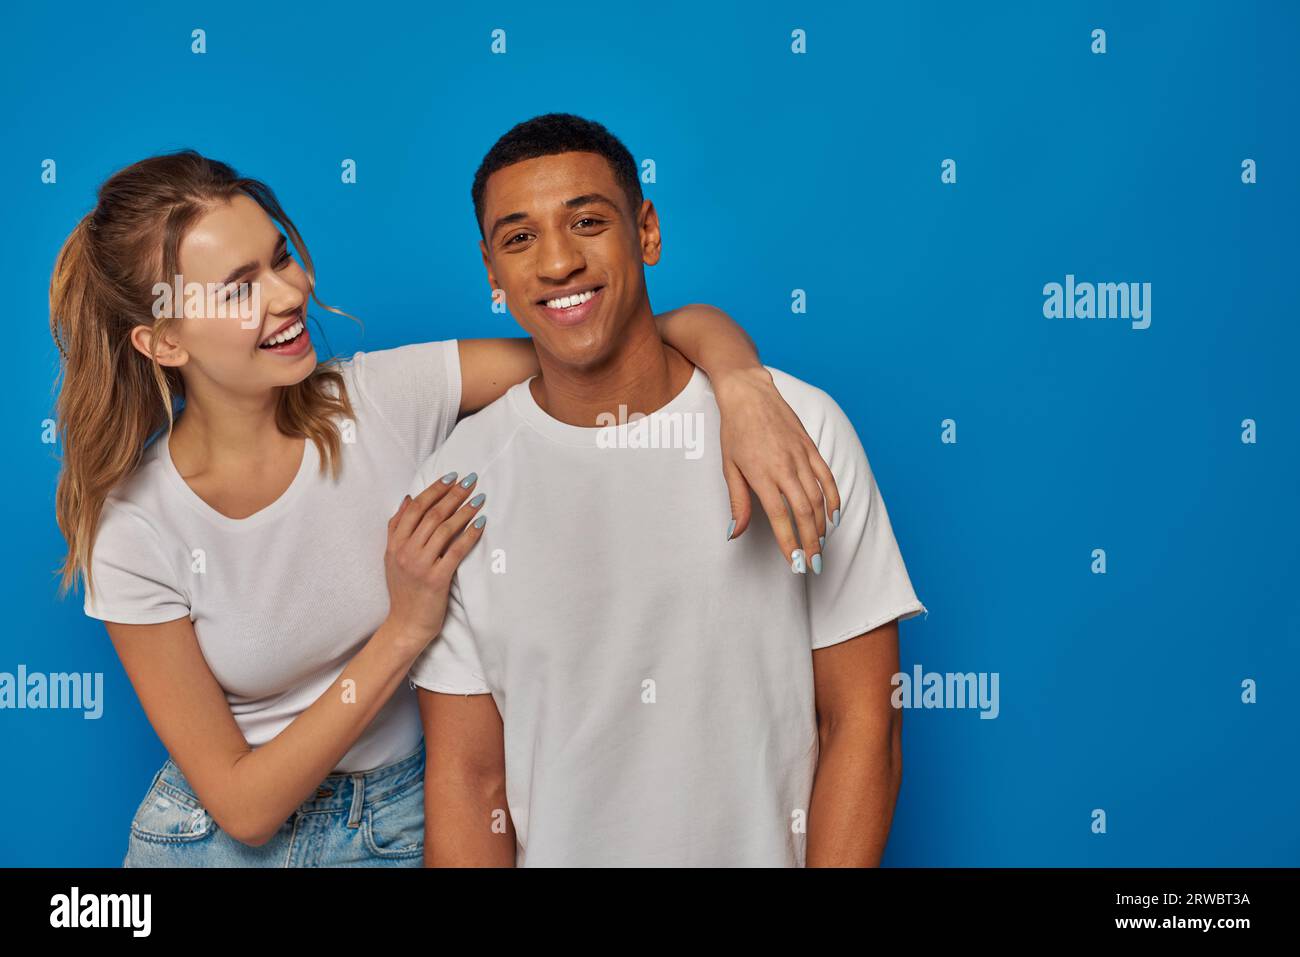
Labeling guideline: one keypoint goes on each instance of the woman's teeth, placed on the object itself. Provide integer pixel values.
(568, 302)
(282, 337)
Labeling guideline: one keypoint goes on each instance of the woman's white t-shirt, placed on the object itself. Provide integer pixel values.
(283, 599)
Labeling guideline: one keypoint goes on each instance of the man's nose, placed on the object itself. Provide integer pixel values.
(559, 257)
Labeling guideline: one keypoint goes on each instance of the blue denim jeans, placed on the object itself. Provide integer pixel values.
(367, 819)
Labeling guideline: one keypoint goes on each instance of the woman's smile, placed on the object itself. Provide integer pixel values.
(291, 339)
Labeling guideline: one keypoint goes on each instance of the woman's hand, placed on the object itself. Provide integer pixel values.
(766, 448)
(427, 538)
(764, 445)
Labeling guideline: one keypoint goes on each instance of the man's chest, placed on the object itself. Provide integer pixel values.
(601, 578)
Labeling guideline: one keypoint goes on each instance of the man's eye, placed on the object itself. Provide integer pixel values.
(588, 219)
(514, 237)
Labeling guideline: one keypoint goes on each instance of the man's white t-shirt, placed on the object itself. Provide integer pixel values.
(654, 680)
(282, 600)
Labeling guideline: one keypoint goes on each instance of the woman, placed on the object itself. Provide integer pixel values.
(233, 558)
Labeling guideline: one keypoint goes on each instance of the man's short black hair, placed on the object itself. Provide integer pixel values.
(553, 133)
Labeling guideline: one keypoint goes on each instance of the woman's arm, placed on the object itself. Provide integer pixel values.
(488, 367)
(249, 791)
(765, 446)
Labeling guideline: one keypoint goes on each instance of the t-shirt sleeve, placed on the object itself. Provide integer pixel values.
(131, 580)
(864, 583)
(415, 390)
(450, 663)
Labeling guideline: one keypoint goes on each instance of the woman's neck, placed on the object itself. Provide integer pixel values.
(226, 431)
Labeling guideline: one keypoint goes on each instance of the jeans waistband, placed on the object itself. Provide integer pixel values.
(342, 790)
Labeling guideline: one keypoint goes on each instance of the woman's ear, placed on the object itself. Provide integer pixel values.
(169, 351)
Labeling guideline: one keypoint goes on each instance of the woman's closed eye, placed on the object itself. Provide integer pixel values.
(239, 290)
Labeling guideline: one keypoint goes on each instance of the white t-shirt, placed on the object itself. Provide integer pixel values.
(282, 600)
(654, 680)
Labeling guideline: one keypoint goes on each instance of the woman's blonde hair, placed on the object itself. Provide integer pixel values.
(112, 399)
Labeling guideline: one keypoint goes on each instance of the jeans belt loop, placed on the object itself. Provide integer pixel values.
(358, 799)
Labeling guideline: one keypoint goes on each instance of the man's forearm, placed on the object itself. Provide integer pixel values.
(859, 771)
(466, 823)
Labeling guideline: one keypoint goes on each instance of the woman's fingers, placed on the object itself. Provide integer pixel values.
(813, 493)
(805, 519)
(793, 521)
(738, 491)
(461, 544)
(415, 510)
(767, 448)
(397, 516)
(826, 479)
(769, 496)
(452, 526)
(441, 510)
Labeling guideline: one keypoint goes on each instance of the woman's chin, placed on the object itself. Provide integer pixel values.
(294, 369)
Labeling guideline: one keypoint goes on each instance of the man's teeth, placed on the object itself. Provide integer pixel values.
(290, 333)
(569, 301)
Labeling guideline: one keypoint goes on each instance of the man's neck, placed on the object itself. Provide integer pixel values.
(643, 374)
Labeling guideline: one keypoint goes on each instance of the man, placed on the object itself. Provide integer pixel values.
(616, 684)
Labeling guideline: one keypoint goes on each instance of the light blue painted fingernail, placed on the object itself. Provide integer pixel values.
(817, 563)
(835, 518)
(477, 500)
(448, 478)
(821, 540)
(480, 521)
(797, 563)
(731, 528)
(472, 477)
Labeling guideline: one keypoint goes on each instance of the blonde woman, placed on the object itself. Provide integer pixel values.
(234, 510)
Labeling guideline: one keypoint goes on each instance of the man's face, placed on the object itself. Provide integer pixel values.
(568, 252)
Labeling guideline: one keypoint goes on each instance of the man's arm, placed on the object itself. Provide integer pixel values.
(466, 820)
(860, 767)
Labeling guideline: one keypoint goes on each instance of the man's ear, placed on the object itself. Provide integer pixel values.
(648, 226)
(487, 263)
(169, 351)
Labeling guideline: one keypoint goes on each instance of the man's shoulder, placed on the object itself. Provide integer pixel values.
(792, 388)
(476, 440)
(820, 414)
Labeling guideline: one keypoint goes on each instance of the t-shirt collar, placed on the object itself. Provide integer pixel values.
(521, 400)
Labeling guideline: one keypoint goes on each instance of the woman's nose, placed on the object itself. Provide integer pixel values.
(281, 296)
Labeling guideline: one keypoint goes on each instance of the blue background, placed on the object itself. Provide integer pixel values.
(821, 172)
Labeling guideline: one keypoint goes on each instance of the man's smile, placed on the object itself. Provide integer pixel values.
(572, 306)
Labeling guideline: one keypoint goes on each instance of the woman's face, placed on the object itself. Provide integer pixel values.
(242, 316)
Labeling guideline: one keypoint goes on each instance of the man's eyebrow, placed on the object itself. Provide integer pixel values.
(250, 266)
(583, 200)
(505, 221)
(587, 198)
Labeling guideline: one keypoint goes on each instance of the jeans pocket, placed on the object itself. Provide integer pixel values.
(169, 816)
(394, 827)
